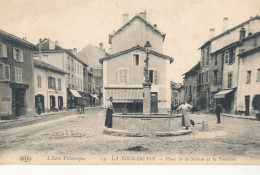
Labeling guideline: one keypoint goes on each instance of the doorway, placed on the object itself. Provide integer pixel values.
(60, 102)
(247, 104)
(40, 98)
(18, 101)
(154, 102)
(52, 102)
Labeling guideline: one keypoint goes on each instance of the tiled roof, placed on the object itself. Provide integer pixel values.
(58, 48)
(230, 30)
(91, 54)
(17, 39)
(145, 21)
(47, 66)
(193, 69)
(135, 48)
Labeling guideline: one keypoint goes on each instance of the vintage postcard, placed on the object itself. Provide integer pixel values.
(120, 82)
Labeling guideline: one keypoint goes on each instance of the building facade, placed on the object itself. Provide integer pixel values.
(191, 86)
(66, 60)
(16, 76)
(91, 55)
(218, 79)
(249, 73)
(50, 87)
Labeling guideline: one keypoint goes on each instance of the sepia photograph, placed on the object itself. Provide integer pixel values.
(129, 82)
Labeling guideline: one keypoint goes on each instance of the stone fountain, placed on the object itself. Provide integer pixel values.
(146, 124)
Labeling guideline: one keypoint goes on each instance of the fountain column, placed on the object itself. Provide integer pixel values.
(147, 84)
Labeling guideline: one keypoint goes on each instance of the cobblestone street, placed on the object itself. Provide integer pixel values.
(83, 135)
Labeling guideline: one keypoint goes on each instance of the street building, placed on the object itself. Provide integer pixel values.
(91, 55)
(123, 70)
(16, 76)
(249, 72)
(191, 86)
(175, 94)
(51, 53)
(50, 87)
(218, 78)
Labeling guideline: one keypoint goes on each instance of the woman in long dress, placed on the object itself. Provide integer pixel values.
(185, 107)
(109, 112)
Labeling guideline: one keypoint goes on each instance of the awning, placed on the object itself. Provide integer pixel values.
(125, 94)
(75, 93)
(223, 93)
(94, 96)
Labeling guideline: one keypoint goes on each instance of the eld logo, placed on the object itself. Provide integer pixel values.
(25, 158)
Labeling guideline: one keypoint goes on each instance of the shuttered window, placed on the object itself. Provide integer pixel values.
(18, 75)
(156, 77)
(123, 76)
(3, 50)
(18, 54)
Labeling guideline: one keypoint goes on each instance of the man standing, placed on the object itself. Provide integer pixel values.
(185, 107)
(218, 111)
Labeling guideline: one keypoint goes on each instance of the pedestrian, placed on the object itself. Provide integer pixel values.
(218, 111)
(185, 107)
(82, 106)
(39, 107)
(109, 112)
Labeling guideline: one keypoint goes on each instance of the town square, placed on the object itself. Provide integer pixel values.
(159, 83)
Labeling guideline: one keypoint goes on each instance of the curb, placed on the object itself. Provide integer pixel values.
(248, 118)
(124, 133)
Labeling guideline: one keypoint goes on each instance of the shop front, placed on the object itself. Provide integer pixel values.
(19, 99)
(74, 99)
(226, 99)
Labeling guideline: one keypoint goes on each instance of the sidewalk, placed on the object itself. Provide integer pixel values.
(239, 116)
(227, 115)
(43, 115)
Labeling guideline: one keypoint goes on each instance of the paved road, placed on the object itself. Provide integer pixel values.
(83, 134)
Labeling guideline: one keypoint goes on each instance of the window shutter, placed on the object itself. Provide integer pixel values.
(14, 53)
(156, 77)
(4, 47)
(20, 75)
(21, 56)
(7, 72)
(1, 71)
(1, 50)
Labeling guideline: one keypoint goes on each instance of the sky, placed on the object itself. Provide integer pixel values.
(77, 23)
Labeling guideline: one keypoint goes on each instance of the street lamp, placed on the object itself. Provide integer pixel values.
(147, 83)
(147, 47)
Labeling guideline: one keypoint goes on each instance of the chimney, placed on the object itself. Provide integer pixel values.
(155, 25)
(143, 14)
(211, 33)
(225, 24)
(74, 51)
(125, 18)
(101, 46)
(242, 33)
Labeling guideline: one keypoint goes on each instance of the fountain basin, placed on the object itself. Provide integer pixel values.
(154, 125)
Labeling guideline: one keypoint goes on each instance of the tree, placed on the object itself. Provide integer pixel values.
(256, 102)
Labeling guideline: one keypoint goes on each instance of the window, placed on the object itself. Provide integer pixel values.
(215, 77)
(216, 59)
(18, 54)
(248, 77)
(18, 75)
(207, 76)
(202, 55)
(3, 50)
(156, 77)
(135, 59)
(68, 62)
(72, 65)
(51, 83)
(207, 56)
(59, 84)
(230, 80)
(39, 81)
(258, 75)
(4, 72)
(232, 56)
(123, 76)
(194, 89)
(226, 56)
